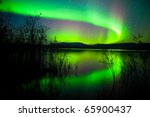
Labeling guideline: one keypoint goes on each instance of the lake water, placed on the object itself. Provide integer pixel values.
(75, 74)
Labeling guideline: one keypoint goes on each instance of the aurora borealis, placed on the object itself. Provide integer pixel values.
(86, 21)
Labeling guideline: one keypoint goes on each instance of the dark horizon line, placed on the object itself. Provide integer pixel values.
(59, 45)
(137, 46)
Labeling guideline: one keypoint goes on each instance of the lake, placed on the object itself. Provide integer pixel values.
(74, 74)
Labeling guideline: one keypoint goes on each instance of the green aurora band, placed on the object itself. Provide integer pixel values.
(116, 31)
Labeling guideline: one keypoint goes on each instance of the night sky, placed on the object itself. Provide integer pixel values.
(86, 21)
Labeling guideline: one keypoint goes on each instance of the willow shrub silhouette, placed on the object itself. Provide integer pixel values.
(54, 66)
(109, 57)
(32, 32)
(5, 27)
(137, 38)
(134, 80)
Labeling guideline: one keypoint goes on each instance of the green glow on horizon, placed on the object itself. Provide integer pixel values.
(74, 35)
(54, 10)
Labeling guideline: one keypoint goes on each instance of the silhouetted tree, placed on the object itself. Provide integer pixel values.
(32, 31)
(137, 38)
(31, 27)
(5, 27)
(42, 36)
(55, 40)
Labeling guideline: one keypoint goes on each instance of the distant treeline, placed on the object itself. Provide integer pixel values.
(129, 46)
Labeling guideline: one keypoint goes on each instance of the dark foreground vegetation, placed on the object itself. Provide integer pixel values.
(22, 70)
(23, 65)
(31, 32)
